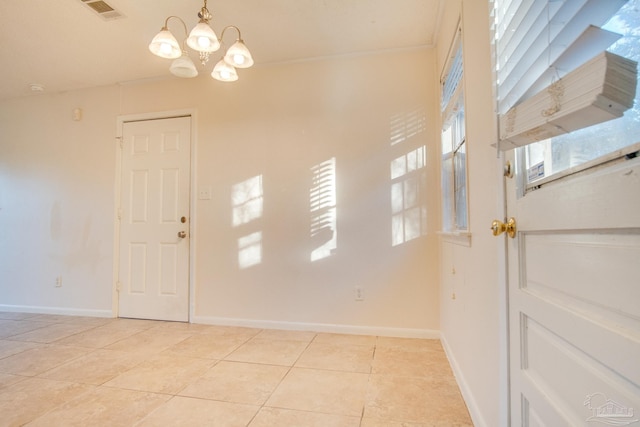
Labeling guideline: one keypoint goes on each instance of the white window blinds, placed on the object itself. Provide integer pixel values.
(452, 78)
(538, 43)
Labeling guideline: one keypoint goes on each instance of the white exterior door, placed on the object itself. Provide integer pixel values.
(574, 300)
(154, 219)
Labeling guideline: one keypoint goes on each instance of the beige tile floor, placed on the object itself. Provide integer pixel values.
(79, 371)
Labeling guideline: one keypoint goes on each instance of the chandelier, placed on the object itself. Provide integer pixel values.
(203, 40)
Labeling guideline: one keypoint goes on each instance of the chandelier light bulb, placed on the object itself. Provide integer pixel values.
(165, 48)
(204, 42)
(238, 59)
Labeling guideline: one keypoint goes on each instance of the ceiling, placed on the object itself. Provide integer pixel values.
(65, 45)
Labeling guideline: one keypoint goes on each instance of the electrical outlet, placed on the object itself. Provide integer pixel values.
(204, 193)
(59, 282)
(359, 293)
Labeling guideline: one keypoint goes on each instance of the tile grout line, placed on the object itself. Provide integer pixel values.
(373, 357)
(380, 348)
(262, 406)
(216, 362)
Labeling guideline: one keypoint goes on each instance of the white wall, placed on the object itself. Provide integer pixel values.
(472, 321)
(277, 122)
(56, 202)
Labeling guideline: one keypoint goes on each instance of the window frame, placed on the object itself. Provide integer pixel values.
(453, 122)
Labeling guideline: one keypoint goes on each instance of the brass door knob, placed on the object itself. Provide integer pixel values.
(182, 234)
(499, 227)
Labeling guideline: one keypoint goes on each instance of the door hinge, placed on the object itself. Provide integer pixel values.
(119, 214)
(118, 286)
(120, 141)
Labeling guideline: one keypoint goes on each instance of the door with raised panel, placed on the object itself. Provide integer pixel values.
(154, 219)
(574, 298)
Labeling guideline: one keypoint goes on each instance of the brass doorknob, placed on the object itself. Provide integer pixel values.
(182, 234)
(499, 227)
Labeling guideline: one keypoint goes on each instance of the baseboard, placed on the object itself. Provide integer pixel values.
(319, 327)
(55, 310)
(467, 395)
(249, 323)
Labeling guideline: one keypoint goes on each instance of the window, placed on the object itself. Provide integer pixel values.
(454, 151)
(577, 150)
(540, 47)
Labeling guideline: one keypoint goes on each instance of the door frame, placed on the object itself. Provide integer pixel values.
(120, 121)
(504, 381)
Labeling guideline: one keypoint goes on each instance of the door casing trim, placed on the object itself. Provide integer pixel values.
(120, 121)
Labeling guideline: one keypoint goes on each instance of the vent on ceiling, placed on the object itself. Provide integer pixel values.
(102, 9)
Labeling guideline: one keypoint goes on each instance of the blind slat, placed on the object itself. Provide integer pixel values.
(536, 38)
(452, 79)
(590, 43)
(519, 26)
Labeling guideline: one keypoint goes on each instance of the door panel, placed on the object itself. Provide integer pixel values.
(155, 194)
(574, 300)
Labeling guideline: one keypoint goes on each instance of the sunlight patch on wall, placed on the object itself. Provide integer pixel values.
(247, 206)
(247, 200)
(408, 176)
(322, 202)
(408, 199)
(407, 125)
(250, 250)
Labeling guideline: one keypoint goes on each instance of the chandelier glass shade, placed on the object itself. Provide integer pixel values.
(165, 45)
(238, 55)
(183, 67)
(203, 40)
(224, 72)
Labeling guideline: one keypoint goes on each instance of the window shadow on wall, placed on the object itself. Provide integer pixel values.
(408, 177)
(247, 201)
(323, 210)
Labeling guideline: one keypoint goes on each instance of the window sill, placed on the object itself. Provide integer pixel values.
(462, 238)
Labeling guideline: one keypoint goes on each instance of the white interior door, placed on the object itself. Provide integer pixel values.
(574, 300)
(154, 219)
